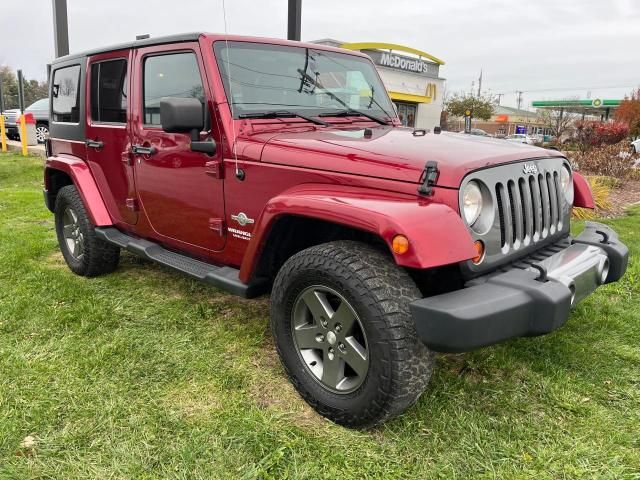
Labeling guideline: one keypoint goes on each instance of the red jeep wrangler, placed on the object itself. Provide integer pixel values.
(266, 165)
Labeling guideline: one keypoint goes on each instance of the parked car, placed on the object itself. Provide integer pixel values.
(270, 166)
(40, 111)
(477, 131)
(635, 145)
(521, 138)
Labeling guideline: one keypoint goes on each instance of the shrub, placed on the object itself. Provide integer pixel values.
(600, 189)
(596, 134)
(609, 160)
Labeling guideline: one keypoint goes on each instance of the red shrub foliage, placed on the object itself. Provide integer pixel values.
(629, 112)
(596, 134)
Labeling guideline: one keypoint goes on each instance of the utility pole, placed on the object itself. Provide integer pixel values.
(1, 98)
(21, 91)
(499, 95)
(294, 20)
(60, 28)
(480, 83)
(519, 98)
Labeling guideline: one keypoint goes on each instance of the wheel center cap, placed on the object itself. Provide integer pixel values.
(331, 337)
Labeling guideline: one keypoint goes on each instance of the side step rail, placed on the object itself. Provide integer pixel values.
(225, 278)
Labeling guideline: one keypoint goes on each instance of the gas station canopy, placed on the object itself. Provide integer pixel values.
(595, 106)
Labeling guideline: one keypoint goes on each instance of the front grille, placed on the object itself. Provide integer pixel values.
(528, 209)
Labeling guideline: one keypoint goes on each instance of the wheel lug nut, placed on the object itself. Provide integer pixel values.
(320, 338)
(342, 347)
(331, 354)
(323, 322)
(338, 327)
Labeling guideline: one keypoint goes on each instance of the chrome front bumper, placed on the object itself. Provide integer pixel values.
(528, 301)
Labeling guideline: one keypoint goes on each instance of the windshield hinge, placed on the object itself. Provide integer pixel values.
(428, 178)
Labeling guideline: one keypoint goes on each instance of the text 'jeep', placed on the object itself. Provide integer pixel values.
(264, 165)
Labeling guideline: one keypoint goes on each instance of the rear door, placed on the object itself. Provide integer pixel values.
(108, 133)
(182, 198)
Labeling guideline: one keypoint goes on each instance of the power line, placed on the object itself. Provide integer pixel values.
(568, 88)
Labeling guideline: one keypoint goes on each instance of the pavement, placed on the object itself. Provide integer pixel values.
(13, 146)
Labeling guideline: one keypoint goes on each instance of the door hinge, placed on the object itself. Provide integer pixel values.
(132, 204)
(214, 168)
(127, 158)
(428, 178)
(217, 225)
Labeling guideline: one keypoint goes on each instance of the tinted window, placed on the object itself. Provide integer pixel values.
(65, 93)
(109, 91)
(174, 75)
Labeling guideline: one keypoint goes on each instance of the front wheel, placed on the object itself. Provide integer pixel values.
(341, 322)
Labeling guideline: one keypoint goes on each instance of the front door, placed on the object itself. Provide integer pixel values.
(182, 200)
(108, 135)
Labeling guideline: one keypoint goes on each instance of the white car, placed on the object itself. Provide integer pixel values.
(521, 138)
(636, 145)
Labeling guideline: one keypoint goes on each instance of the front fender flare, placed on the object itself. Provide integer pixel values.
(437, 236)
(83, 180)
(582, 196)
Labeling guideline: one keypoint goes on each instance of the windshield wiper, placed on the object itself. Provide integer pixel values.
(283, 114)
(352, 112)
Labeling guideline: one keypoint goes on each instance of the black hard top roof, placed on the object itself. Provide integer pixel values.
(182, 37)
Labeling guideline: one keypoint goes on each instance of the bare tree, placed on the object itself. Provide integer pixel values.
(558, 121)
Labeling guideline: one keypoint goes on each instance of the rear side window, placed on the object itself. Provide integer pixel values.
(65, 95)
(174, 75)
(109, 91)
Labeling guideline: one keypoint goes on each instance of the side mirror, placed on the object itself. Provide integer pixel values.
(186, 115)
(181, 115)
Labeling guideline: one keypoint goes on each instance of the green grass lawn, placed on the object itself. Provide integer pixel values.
(145, 373)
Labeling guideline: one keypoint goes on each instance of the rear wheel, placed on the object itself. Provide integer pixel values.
(84, 253)
(42, 132)
(341, 322)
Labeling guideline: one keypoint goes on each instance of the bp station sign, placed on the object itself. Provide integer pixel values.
(404, 63)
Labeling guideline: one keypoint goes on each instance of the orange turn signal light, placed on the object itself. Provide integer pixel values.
(479, 246)
(400, 244)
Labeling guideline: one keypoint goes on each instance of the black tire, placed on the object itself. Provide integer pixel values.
(96, 257)
(399, 365)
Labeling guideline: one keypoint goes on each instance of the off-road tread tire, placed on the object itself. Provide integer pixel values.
(381, 292)
(99, 257)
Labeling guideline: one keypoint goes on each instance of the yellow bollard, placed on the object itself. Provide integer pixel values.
(3, 134)
(23, 136)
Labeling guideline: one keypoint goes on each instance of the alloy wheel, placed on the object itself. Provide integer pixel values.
(41, 133)
(330, 339)
(73, 236)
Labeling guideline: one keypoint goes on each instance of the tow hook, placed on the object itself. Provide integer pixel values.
(428, 178)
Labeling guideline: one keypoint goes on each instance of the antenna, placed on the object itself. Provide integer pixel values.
(239, 174)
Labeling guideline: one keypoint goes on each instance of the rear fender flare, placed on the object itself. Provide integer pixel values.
(83, 180)
(437, 236)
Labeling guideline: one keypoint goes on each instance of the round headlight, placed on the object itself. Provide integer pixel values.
(566, 182)
(471, 202)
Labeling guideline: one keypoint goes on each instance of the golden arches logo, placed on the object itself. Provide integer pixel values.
(431, 91)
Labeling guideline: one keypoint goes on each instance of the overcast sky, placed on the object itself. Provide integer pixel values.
(546, 48)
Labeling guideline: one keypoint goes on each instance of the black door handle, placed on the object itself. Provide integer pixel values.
(140, 150)
(97, 144)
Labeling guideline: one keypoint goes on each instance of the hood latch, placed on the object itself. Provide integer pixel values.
(428, 178)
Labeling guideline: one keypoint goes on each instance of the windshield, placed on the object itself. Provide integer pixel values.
(261, 78)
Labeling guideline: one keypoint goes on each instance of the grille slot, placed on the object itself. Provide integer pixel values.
(529, 209)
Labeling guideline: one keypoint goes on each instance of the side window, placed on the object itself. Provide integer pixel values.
(109, 91)
(65, 95)
(174, 75)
